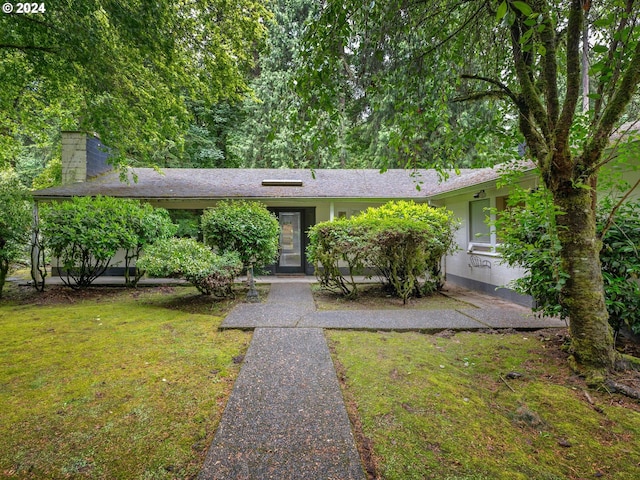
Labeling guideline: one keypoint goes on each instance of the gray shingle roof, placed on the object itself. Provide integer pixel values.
(203, 184)
(479, 176)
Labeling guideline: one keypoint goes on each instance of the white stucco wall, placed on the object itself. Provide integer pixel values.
(612, 174)
(492, 276)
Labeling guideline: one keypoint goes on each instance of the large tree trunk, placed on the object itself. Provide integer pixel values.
(4, 269)
(583, 294)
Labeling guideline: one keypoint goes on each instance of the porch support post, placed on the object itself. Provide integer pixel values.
(331, 211)
(35, 247)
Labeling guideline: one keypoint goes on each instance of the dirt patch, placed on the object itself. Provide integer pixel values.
(183, 298)
(375, 297)
(628, 343)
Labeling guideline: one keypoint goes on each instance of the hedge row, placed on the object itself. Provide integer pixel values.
(84, 234)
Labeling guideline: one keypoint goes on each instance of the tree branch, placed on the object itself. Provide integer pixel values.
(32, 19)
(574, 34)
(607, 225)
(480, 96)
(616, 39)
(612, 112)
(549, 66)
(504, 88)
(535, 142)
(530, 96)
(454, 33)
(614, 147)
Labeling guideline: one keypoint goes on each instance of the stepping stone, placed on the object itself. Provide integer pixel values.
(253, 315)
(286, 305)
(291, 293)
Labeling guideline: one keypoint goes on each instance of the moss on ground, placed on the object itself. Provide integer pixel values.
(112, 383)
(481, 406)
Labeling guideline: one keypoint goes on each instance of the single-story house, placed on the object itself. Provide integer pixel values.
(301, 197)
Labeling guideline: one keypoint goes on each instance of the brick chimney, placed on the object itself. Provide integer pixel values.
(83, 157)
(74, 157)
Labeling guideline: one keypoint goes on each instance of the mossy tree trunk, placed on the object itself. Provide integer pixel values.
(4, 269)
(546, 117)
(592, 342)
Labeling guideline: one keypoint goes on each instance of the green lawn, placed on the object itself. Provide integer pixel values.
(117, 383)
(445, 408)
(113, 383)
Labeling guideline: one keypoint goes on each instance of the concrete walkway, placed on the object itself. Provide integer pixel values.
(286, 418)
(480, 312)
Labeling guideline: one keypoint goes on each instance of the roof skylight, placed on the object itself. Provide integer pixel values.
(281, 183)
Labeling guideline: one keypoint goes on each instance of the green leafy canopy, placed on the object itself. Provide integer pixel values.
(123, 69)
(15, 221)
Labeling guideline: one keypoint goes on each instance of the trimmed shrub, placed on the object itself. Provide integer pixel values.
(403, 242)
(337, 244)
(85, 233)
(148, 225)
(15, 221)
(409, 240)
(244, 227)
(187, 258)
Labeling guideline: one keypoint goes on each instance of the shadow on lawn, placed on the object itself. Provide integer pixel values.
(189, 300)
(59, 294)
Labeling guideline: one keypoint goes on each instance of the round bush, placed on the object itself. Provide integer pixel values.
(187, 258)
(402, 241)
(244, 227)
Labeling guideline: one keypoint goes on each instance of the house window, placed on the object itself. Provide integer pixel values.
(478, 227)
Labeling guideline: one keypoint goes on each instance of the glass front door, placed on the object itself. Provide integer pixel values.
(291, 254)
(294, 224)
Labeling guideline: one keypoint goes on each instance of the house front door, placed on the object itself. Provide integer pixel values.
(291, 243)
(294, 223)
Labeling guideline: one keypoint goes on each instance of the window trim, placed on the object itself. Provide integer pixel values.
(474, 238)
(489, 249)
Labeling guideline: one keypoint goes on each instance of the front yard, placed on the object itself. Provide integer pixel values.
(478, 406)
(112, 383)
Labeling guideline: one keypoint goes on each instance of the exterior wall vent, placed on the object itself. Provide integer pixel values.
(281, 183)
